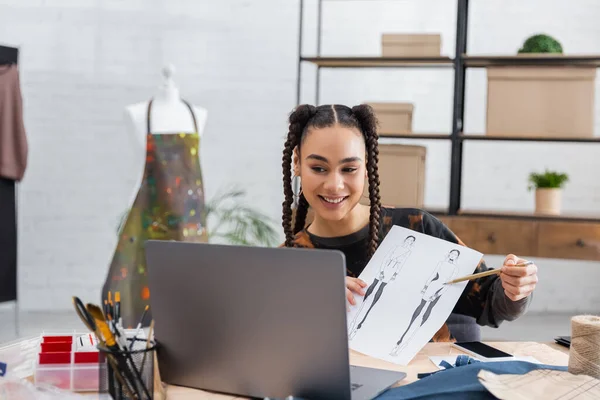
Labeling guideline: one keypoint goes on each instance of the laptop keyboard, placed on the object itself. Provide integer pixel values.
(355, 386)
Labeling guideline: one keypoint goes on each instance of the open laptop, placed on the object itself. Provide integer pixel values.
(254, 321)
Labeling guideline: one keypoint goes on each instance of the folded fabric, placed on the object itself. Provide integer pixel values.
(460, 383)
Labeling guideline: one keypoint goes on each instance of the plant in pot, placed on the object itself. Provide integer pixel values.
(541, 43)
(548, 190)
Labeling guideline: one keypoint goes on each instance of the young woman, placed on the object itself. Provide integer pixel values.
(332, 149)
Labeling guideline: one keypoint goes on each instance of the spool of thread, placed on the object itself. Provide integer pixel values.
(584, 354)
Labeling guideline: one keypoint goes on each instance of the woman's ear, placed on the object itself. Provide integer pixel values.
(296, 160)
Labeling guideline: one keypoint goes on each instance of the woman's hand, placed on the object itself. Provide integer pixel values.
(518, 282)
(354, 285)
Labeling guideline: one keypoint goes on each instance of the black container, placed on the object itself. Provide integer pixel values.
(129, 373)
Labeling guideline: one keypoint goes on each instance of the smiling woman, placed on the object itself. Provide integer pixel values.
(333, 162)
(333, 149)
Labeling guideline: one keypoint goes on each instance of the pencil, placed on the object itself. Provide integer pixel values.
(138, 327)
(486, 273)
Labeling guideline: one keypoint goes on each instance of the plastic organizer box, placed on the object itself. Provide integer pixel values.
(69, 361)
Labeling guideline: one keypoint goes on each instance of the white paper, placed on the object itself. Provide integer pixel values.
(540, 384)
(406, 301)
(436, 360)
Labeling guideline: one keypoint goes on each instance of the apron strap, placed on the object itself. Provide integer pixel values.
(193, 115)
(148, 127)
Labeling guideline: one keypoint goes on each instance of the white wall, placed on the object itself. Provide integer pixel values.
(83, 61)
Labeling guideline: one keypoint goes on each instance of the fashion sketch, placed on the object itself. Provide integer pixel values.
(445, 271)
(388, 271)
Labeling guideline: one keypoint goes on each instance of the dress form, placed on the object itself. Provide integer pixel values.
(169, 201)
(170, 115)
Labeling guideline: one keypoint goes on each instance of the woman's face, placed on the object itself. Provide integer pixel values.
(332, 167)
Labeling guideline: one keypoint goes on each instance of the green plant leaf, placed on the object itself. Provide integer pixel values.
(541, 43)
(238, 223)
(547, 179)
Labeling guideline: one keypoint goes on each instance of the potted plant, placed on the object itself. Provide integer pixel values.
(541, 43)
(548, 190)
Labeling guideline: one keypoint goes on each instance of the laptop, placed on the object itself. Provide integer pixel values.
(255, 321)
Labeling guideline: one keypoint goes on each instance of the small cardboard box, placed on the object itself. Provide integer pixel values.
(540, 101)
(411, 45)
(394, 118)
(401, 176)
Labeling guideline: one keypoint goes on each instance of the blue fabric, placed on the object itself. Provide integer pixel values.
(460, 382)
(461, 360)
(2, 369)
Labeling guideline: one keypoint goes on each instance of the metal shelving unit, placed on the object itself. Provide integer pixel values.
(460, 62)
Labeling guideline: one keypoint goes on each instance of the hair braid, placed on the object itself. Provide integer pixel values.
(368, 122)
(301, 212)
(298, 121)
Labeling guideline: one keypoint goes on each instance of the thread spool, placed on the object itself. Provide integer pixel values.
(584, 354)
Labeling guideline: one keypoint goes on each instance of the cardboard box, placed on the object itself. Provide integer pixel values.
(401, 176)
(411, 45)
(540, 101)
(394, 118)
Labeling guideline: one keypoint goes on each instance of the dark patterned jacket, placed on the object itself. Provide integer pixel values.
(482, 299)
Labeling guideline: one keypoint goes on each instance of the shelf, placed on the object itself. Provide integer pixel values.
(459, 60)
(417, 136)
(539, 60)
(380, 62)
(569, 217)
(530, 138)
(440, 136)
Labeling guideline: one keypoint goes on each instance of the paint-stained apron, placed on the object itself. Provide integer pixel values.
(169, 206)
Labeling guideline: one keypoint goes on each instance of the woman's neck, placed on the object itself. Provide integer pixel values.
(352, 222)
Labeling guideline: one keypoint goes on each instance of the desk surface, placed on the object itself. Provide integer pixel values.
(548, 353)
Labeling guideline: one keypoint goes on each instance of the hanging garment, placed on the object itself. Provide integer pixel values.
(169, 206)
(13, 142)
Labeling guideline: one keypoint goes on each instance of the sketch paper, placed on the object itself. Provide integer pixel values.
(406, 301)
(541, 384)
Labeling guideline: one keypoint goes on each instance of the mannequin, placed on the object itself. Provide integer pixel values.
(169, 114)
(169, 202)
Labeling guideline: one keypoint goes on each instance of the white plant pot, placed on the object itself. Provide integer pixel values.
(548, 201)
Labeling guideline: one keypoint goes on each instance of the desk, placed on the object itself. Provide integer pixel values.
(548, 353)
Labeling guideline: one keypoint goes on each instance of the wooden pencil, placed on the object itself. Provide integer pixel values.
(486, 273)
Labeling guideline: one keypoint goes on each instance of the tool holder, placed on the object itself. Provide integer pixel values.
(129, 373)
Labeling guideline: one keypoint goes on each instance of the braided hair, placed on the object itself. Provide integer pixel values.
(305, 117)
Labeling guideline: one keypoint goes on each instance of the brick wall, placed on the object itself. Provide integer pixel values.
(83, 61)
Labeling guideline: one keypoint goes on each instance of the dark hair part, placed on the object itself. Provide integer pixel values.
(305, 117)
(455, 250)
